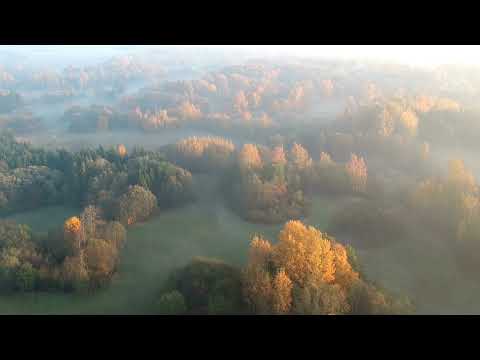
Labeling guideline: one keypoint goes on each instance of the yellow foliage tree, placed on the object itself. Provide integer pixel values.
(278, 155)
(72, 225)
(300, 157)
(122, 150)
(357, 171)
(282, 293)
(249, 157)
(303, 257)
(260, 250)
(410, 122)
(304, 251)
(460, 176)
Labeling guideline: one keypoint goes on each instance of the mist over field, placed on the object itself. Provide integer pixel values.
(246, 180)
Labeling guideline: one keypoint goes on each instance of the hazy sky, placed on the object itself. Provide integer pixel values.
(408, 54)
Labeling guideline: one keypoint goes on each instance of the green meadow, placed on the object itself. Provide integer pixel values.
(153, 249)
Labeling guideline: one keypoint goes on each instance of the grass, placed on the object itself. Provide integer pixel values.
(41, 220)
(419, 265)
(171, 239)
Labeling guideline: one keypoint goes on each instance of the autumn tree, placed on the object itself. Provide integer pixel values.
(320, 299)
(135, 205)
(73, 234)
(74, 273)
(327, 87)
(240, 103)
(204, 153)
(88, 219)
(278, 156)
(302, 257)
(410, 122)
(300, 157)
(446, 104)
(459, 176)
(100, 258)
(249, 157)
(189, 111)
(357, 171)
(122, 150)
(115, 233)
(282, 293)
(171, 303)
(307, 272)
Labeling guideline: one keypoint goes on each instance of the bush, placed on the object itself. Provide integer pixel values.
(172, 303)
(25, 277)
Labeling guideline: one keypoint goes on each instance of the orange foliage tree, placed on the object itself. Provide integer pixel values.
(72, 225)
(302, 257)
(357, 171)
(300, 157)
(249, 157)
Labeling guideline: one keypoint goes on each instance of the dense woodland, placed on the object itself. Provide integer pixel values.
(283, 134)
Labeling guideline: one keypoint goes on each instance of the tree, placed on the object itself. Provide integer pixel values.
(25, 277)
(122, 150)
(257, 289)
(100, 258)
(459, 176)
(240, 103)
(320, 299)
(282, 293)
(88, 220)
(305, 272)
(304, 251)
(115, 233)
(260, 251)
(74, 234)
(357, 171)
(171, 303)
(425, 151)
(135, 205)
(278, 156)
(300, 157)
(410, 122)
(386, 123)
(249, 157)
(72, 225)
(74, 272)
(445, 104)
(189, 111)
(327, 87)
(209, 286)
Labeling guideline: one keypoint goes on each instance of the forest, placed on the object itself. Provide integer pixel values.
(166, 184)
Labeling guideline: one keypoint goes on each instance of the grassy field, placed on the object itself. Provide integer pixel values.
(171, 239)
(419, 266)
(41, 220)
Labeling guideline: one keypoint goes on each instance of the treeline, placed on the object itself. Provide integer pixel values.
(115, 73)
(116, 189)
(31, 177)
(450, 205)
(10, 101)
(269, 184)
(306, 272)
(81, 255)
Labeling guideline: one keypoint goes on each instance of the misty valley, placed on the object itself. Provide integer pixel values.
(176, 181)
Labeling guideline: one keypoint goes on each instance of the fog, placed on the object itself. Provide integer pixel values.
(239, 179)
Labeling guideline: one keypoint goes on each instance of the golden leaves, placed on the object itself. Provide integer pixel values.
(303, 257)
(121, 150)
(282, 294)
(250, 157)
(72, 225)
(357, 170)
